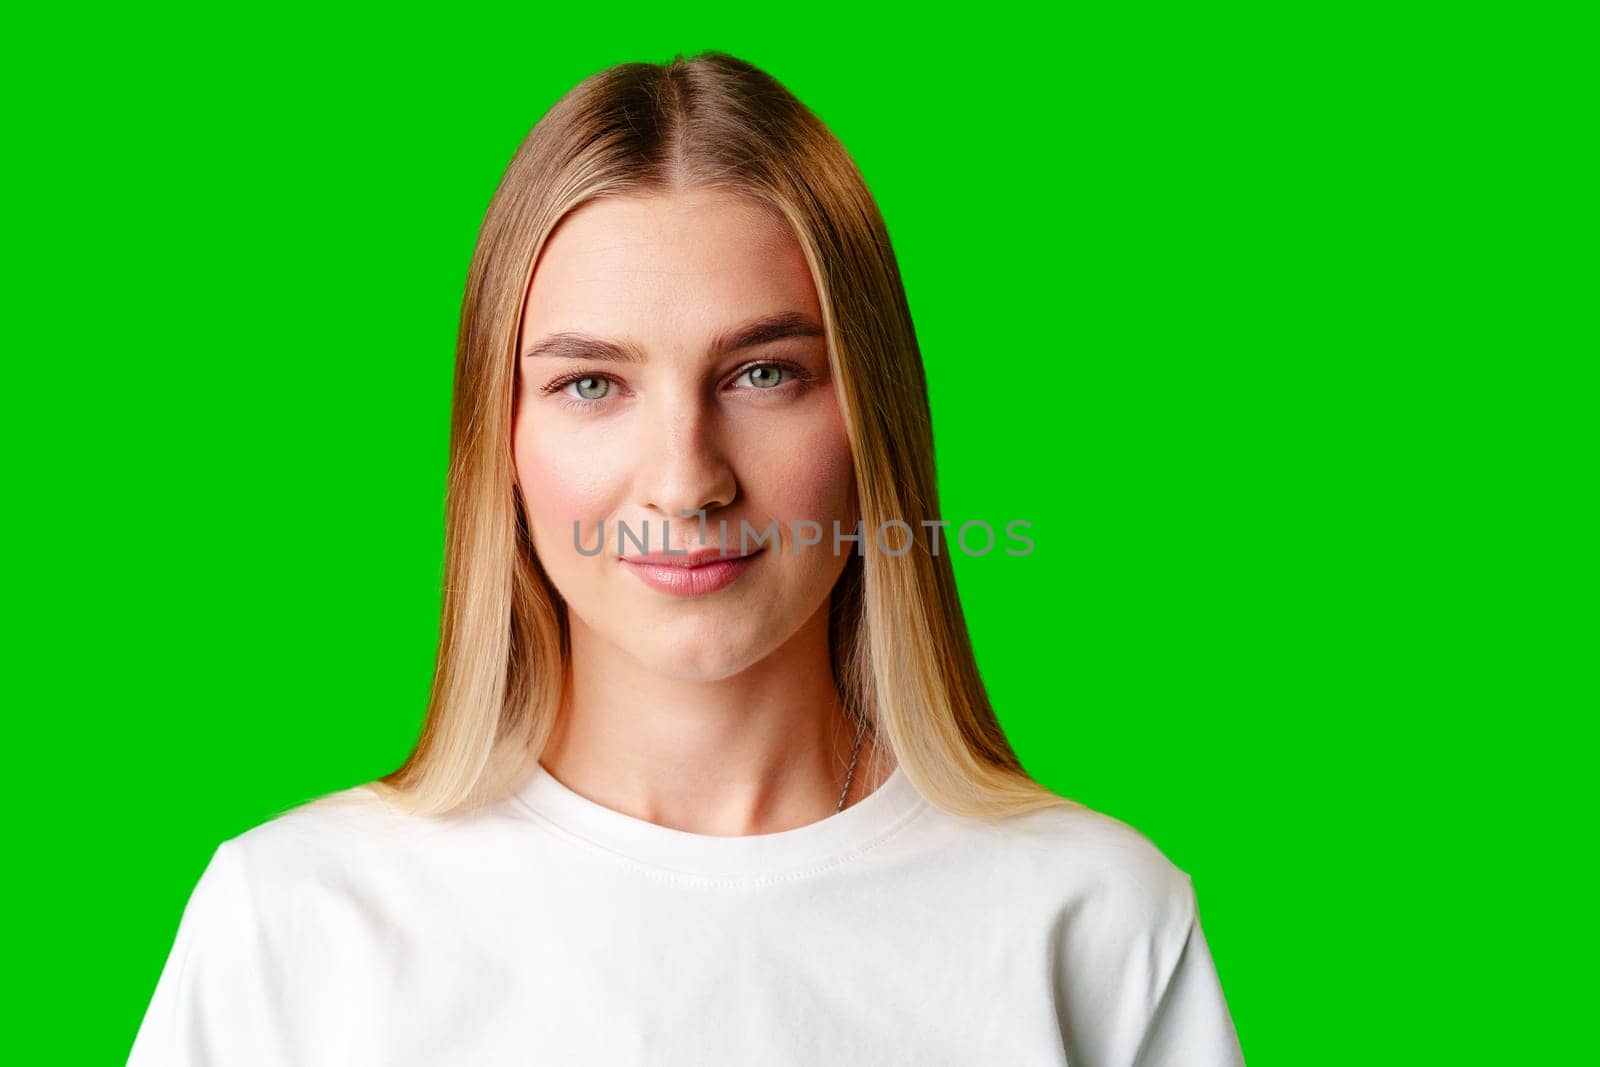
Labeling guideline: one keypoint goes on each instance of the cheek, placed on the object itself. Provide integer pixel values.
(560, 485)
(821, 487)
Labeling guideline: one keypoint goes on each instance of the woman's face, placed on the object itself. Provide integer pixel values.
(672, 359)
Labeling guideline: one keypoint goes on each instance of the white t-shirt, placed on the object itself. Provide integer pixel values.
(548, 929)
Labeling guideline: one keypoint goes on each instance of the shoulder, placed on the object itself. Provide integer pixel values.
(1106, 862)
(283, 924)
(288, 863)
(1117, 917)
(324, 885)
(351, 840)
(1106, 888)
(345, 816)
(1075, 848)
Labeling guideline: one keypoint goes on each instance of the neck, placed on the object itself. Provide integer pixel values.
(763, 750)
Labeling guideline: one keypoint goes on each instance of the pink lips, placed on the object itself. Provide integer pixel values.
(697, 573)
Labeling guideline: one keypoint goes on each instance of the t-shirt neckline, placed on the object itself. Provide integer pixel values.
(786, 853)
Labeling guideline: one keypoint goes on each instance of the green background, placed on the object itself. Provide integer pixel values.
(1268, 322)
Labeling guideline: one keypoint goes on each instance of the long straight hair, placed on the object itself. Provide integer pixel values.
(901, 655)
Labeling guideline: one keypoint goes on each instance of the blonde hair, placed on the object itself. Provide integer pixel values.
(902, 658)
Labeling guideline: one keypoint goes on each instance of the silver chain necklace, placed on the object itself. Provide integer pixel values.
(851, 773)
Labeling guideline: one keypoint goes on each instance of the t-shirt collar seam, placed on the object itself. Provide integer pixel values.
(918, 807)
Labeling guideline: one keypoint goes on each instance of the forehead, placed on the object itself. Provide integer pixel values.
(667, 266)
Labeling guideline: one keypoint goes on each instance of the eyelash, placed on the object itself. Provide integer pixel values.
(558, 387)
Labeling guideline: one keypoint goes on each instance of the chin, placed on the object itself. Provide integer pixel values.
(696, 665)
(702, 653)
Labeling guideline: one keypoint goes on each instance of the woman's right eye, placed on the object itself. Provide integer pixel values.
(591, 387)
(580, 390)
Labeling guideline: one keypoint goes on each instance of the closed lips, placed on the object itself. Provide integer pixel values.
(693, 559)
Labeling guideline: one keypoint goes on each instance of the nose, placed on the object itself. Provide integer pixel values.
(684, 467)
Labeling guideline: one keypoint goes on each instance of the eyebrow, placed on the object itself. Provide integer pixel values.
(769, 328)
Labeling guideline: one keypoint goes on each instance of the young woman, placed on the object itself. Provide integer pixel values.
(708, 775)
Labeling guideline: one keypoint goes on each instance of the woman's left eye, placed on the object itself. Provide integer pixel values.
(765, 375)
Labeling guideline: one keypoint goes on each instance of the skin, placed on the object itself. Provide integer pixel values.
(713, 714)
